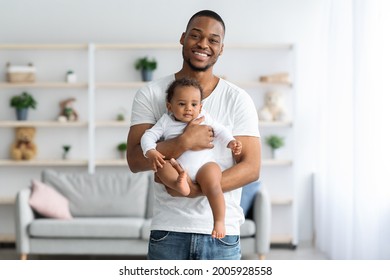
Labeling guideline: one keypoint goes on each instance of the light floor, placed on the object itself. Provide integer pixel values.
(302, 252)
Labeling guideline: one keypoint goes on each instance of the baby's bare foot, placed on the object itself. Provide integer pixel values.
(181, 183)
(218, 230)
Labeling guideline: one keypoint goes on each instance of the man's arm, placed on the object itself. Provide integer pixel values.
(135, 158)
(244, 172)
(247, 169)
(194, 137)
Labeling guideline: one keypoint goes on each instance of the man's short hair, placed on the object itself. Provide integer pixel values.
(210, 14)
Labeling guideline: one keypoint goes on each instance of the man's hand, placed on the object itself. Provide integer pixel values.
(156, 159)
(198, 137)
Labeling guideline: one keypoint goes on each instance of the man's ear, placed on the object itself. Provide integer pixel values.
(221, 52)
(183, 35)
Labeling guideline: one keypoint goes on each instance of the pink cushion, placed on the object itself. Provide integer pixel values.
(48, 202)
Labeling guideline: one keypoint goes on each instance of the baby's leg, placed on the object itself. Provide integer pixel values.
(170, 178)
(209, 178)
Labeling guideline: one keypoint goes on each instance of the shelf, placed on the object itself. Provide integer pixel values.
(120, 85)
(281, 201)
(7, 200)
(43, 46)
(275, 162)
(283, 47)
(255, 84)
(265, 124)
(42, 124)
(133, 46)
(112, 124)
(111, 162)
(43, 162)
(59, 85)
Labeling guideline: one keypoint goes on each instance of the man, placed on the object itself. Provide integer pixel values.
(181, 225)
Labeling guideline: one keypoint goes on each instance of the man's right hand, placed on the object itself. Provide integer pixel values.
(198, 137)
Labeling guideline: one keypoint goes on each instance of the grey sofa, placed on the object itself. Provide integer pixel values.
(111, 217)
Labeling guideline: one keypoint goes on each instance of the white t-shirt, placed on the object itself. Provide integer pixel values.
(228, 105)
(167, 128)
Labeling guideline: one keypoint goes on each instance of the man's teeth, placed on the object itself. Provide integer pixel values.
(201, 54)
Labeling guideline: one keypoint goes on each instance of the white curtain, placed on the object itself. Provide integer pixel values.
(352, 181)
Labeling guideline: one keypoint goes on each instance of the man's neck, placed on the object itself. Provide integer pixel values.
(206, 79)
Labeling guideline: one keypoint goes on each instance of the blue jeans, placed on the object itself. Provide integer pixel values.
(169, 245)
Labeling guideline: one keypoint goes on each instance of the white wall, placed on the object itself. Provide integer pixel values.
(249, 21)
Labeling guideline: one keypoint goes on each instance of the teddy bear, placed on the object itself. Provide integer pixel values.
(67, 112)
(273, 108)
(24, 147)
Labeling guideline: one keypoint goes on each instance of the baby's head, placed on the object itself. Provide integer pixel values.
(184, 99)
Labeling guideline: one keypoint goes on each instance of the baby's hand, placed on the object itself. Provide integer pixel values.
(155, 158)
(235, 146)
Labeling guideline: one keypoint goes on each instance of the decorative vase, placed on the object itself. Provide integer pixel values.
(21, 114)
(275, 153)
(147, 75)
(122, 154)
(71, 78)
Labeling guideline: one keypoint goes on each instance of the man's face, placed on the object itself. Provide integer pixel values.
(202, 43)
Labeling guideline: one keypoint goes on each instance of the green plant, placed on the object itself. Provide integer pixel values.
(275, 142)
(120, 117)
(122, 147)
(70, 72)
(24, 100)
(144, 63)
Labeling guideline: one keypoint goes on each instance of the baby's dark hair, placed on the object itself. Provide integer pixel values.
(183, 82)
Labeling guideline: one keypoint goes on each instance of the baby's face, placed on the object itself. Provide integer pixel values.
(185, 104)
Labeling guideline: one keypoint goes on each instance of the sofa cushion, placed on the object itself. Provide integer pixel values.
(247, 197)
(48, 202)
(102, 194)
(87, 228)
(145, 230)
(247, 229)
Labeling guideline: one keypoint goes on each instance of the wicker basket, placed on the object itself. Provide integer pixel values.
(20, 74)
(20, 77)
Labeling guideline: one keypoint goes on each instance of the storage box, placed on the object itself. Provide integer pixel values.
(20, 74)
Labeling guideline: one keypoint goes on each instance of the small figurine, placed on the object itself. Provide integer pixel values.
(68, 113)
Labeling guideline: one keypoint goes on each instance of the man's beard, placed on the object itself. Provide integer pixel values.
(195, 68)
(198, 69)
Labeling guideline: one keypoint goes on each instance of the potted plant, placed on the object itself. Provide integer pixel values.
(71, 77)
(146, 66)
(22, 103)
(66, 149)
(275, 142)
(122, 147)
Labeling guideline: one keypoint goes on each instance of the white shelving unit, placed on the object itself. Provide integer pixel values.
(99, 87)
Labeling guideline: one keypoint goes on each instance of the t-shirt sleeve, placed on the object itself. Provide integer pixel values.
(142, 108)
(246, 121)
